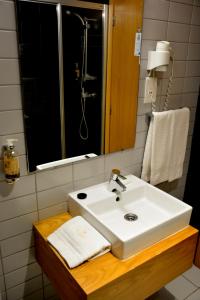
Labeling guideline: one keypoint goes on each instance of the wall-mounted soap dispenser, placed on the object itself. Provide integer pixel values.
(11, 162)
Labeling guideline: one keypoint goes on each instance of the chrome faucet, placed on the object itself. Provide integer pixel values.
(115, 184)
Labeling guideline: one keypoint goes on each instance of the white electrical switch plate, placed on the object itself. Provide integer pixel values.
(150, 90)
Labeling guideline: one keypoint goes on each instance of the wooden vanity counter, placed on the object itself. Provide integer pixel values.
(107, 277)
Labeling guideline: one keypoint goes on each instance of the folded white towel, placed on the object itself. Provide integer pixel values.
(77, 241)
(165, 146)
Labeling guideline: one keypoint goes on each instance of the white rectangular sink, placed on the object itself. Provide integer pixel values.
(143, 215)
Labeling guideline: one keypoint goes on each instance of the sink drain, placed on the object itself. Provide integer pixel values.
(130, 217)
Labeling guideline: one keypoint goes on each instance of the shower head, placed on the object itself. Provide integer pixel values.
(68, 12)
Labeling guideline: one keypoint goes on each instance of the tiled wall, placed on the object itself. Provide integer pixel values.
(38, 196)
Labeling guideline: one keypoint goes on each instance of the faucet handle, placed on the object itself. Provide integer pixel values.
(117, 172)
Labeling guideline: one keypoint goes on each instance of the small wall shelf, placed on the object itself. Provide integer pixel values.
(110, 278)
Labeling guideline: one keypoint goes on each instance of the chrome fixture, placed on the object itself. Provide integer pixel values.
(115, 184)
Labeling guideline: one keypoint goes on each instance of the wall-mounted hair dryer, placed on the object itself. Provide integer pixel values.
(159, 60)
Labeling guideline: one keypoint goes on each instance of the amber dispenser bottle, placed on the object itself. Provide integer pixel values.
(11, 162)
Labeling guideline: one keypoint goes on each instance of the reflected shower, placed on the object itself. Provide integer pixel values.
(84, 94)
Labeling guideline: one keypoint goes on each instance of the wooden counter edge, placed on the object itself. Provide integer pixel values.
(94, 278)
(197, 254)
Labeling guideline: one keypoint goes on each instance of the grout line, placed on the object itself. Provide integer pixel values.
(13, 236)
(190, 293)
(3, 273)
(23, 281)
(18, 197)
(24, 297)
(191, 281)
(13, 109)
(37, 204)
(32, 245)
(6, 220)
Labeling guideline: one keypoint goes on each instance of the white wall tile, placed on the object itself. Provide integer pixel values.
(11, 122)
(195, 34)
(142, 124)
(143, 108)
(193, 68)
(18, 260)
(17, 225)
(134, 169)
(196, 16)
(9, 71)
(53, 210)
(23, 165)
(21, 275)
(194, 52)
(3, 296)
(141, 88)
(177, 86)
(183, 1)
(53, 196)
(147, 45)
(191, 84)
(83, 183)
(7, 15)
(2, 284)
(1, 269)
(180, 50)
(180, 13)
(25, 288)
(140, 139)
(143, 68)
(17, 207)
(8, 47)
(20, 145)
(179, 68)
(154, 30)
(197, 2)
(24, 186)
(132, 156)
(53, 178)
(190, 100)
(88, 168)
(17, 243)
(156, 9)
(174, 102)
(177, 32)
(113, 161)
(38, 295)
(10, 96)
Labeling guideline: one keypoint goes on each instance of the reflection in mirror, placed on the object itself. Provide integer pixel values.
(62, 58)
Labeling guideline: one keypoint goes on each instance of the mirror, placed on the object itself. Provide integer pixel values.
(63, 55)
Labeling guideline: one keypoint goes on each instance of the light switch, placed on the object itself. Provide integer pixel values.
(150, 90)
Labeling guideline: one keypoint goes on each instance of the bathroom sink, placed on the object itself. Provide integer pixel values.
(140, 217)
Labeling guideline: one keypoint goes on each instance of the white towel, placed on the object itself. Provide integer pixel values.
(180, 121)
(165, 146)
(77, 241)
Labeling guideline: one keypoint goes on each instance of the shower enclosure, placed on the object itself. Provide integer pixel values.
(82, 31)
(63, 72)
